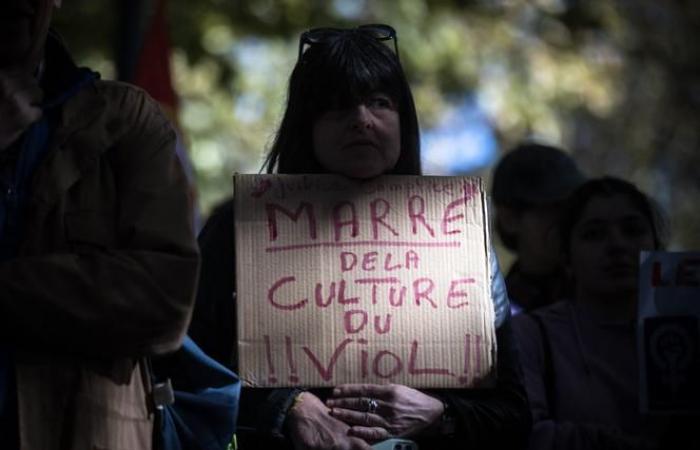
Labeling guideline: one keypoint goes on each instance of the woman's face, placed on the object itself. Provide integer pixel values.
(361, 141)
(605, 245)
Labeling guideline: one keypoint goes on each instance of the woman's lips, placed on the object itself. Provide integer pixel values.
(359, 143)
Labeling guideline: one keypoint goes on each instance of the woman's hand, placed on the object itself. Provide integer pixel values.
(311, 427)
(377, 412)
(20, 96)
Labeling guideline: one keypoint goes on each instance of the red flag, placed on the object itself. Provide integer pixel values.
(152, 73)
(153, 68)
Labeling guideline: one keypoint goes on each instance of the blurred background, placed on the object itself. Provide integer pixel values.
(614, 82)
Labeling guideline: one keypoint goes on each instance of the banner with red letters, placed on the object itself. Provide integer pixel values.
(379, 281)
(668, 332)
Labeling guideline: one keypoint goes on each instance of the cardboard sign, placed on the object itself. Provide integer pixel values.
(382, 281)
(669, 332)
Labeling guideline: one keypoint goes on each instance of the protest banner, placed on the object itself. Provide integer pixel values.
(376, 281)
(669, 332)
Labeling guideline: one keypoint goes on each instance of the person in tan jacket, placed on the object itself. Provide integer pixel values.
(98, 262)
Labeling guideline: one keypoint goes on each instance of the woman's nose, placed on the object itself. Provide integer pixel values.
(361, 117)
(618, 240)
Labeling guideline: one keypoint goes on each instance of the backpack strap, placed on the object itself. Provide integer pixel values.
(548, 375)
(160, 394)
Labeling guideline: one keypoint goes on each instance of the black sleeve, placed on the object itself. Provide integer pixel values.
(498, 417)
(213, 325)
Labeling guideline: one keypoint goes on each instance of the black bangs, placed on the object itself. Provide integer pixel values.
(343, 70)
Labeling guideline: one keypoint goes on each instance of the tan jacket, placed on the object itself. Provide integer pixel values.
(106, 273)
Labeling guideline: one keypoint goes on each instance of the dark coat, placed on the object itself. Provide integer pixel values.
(106, 273)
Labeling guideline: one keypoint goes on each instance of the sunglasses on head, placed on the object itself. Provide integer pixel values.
(379, 31)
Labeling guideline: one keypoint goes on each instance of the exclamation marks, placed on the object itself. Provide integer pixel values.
(657, 276)
(268, 351)
(272, 378)
(290, 360)
(467, 359)
(364, 356)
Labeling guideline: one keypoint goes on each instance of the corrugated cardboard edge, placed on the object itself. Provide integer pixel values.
(490, 379)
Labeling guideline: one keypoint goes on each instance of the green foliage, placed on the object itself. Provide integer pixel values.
(614, 82)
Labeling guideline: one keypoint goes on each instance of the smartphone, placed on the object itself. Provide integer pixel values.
(395, 444)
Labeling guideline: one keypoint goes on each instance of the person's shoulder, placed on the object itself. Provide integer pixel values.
(222, 212)
(220, 220)
(555, 312)
(132, 104)
(122, 90)
(551, 314)
(223, 208)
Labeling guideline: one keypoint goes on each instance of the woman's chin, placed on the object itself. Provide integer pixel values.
(362, 173)
(619, 288)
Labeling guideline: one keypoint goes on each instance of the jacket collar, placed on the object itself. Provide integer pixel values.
(64, 81)
(76, 119)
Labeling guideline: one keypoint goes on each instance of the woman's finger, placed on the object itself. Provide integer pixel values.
(369, 434)
(365, 419)
(380, 391)
(363, 404)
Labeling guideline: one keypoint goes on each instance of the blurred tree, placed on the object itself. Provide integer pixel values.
(615, 81)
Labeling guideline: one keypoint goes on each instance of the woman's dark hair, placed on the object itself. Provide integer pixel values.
(607, 187)
(341, 71)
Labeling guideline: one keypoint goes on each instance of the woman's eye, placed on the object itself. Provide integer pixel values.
(380, 101)
(334, 113)
(592, 234)
(636, 229)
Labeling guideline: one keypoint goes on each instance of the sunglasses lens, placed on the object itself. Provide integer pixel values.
(317, 35)
(381, 32)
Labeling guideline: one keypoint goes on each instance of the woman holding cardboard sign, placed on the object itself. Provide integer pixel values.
(350, 112)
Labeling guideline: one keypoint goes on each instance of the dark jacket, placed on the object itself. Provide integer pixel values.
(106, 271)
(486, 418)
(582, 379)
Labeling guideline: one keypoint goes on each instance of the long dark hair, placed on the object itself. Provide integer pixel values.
(606, 187)
(340, 72)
